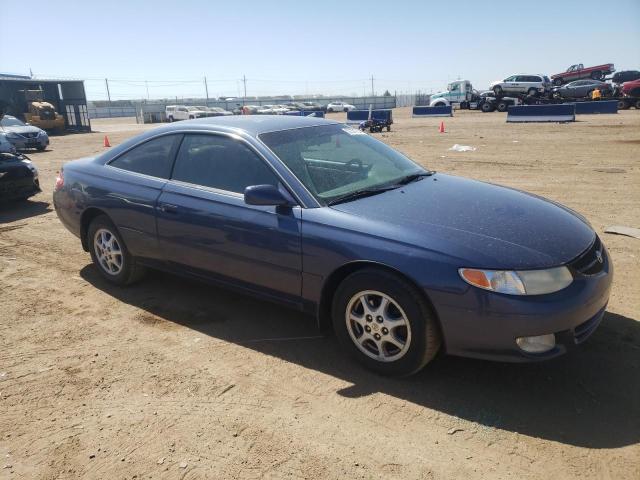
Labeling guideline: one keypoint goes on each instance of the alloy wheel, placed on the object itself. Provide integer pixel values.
(378, 326)
(108, 251)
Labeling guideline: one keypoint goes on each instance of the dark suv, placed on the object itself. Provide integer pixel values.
(625, 76)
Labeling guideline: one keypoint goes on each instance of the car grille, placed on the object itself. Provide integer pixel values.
(30, 134)
(592, 261)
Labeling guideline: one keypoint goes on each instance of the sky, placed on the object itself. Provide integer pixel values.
(165, 49)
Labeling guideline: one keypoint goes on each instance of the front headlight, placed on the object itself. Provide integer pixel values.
(13, 136)
(521, 282)
(42, 133)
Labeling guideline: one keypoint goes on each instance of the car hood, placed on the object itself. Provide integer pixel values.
(484, 225)
(21, 130)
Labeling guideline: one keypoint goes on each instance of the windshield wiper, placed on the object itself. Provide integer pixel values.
(365, 192)
(413, 177)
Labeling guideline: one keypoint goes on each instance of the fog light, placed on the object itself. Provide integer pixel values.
(539, 344)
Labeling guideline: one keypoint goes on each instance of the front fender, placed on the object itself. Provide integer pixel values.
(439, 101)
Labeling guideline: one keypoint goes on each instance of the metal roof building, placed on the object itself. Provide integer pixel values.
(68, 97)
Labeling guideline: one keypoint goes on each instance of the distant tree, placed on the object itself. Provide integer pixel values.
(386, 93)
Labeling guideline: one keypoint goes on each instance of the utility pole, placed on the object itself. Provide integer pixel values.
(206, 89)
(373, 93)
(244, 81)
(147, 85)
(106, 82)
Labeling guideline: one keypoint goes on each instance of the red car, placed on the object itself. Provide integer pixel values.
(578, 72)
(631, 89)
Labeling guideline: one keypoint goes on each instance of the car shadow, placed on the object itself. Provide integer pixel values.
(588, 398)
(22, 209)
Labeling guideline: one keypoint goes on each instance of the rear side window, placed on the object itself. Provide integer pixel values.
(153, 158)
(220, 162)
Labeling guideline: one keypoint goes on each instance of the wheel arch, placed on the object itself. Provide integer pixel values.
(85, 220)
(336, 277)
(437, 101)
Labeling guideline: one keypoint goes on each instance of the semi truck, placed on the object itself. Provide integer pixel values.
(459, 93)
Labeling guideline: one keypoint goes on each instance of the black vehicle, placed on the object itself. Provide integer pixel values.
(374, 125)
(18, 177)
(488, 102)
(581, 89)
(625, 76)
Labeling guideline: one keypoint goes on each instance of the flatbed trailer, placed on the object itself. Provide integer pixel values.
(624, 101)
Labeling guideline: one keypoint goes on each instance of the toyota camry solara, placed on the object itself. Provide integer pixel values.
(402, 261)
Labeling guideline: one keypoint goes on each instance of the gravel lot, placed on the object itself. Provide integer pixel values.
(174, 379)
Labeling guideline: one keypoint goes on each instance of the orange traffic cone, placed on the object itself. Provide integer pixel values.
(106, 141)
(441, 129)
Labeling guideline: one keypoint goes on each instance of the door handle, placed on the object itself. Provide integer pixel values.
(168, 208)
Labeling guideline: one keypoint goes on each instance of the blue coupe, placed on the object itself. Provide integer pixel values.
(402, 261)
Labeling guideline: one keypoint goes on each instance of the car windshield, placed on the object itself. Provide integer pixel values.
(11, 122)
(192, 109)
(335, 161)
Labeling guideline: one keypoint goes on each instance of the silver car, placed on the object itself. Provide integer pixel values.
(525, 84)
(22, 135)
(5, 145)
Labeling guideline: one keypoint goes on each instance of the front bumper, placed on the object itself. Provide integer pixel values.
(482, 324)
(19, 188)
(26, 143)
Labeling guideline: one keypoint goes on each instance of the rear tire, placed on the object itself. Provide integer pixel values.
(170, 119)
(502, 106)
(110, 254)
(637, 105)
(487, 107)
(532, 92)
(557, 82)
(623, 105)
(497, 90)
(397, 339)
(596, 75)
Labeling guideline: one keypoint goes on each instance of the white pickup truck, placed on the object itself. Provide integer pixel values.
(182, 112)
(459, 93)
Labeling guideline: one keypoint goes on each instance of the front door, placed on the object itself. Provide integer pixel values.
(205, 226)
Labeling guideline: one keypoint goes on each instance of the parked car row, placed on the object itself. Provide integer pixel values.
(183, 112)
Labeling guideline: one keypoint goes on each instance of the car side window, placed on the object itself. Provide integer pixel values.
(153, 158)
(222, 163)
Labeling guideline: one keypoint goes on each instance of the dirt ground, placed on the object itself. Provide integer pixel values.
(174, 379)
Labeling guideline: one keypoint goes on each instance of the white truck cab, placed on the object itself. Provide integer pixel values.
(458, 93)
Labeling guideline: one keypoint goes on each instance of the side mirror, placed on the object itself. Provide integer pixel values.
(267, 195)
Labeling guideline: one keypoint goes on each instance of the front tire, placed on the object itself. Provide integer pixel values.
(497, 90)
(502, 106)
(110, 254)
(385, 323)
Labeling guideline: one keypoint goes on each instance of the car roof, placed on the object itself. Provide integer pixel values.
(253, 125)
